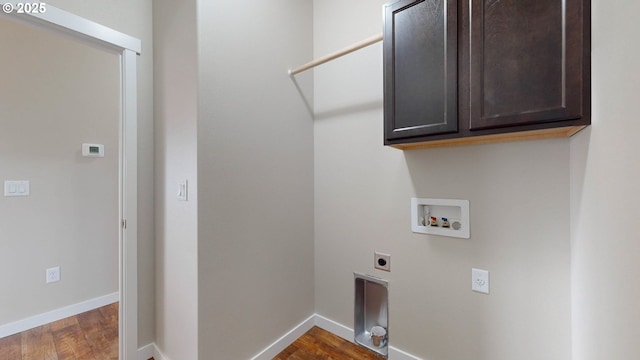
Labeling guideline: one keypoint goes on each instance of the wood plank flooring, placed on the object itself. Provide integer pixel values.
(318, 344)
(92, 335)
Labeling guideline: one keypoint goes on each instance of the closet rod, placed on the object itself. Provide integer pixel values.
(357, 46)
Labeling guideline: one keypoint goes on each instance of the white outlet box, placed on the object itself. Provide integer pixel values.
(480, 280)
(455, 211)
(382, 261)
(53, 274)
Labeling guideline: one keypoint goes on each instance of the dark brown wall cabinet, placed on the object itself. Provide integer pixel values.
(472, 71)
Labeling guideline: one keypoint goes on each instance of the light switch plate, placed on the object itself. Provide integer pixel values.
(183, 191)
(16, 188)
(480, 280)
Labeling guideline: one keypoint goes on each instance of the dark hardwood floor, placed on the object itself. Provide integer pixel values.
(318, 344)
(92, 335)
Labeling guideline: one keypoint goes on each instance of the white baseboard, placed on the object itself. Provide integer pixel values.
(334, 328)
(147, 352)
(287, 339)
(58, 314)
(150, 351)
(325, 324)
(397, 354)
(347, 334)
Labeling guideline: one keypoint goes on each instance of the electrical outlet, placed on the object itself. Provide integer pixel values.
(480, 280)
(53, 274)
(382, 261)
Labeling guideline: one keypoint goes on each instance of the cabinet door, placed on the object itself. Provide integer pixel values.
(420, 68)
(525, 62)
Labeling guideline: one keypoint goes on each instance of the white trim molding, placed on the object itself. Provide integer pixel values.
(285, 340)
(347, 334)
(71, 23)
(326, 324)
(151, 351)
(334, 327)
(57, 314)
(147, 352)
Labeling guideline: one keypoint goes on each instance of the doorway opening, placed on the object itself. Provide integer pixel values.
(83, 175)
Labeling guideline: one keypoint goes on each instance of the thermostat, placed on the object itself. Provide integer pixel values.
(93, 150)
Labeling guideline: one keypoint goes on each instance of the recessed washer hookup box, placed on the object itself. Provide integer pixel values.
(371, 310)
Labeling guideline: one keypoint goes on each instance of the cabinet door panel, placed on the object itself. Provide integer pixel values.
(420, 41)
(525, 63)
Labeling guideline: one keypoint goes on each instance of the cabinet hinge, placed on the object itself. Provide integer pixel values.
(124, 223)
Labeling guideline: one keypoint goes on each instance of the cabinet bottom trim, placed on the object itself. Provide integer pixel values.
(496, 138)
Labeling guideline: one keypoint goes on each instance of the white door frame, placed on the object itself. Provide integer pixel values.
(128, 48)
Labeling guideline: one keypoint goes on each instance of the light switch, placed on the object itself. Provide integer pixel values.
(16, 188)
(183, 191)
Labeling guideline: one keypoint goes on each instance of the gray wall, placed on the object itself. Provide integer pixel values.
(133, 17)
(605, 174)
(48, 108)
(253, 276)
(255, 175)
(175, 104)
(519, 198)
